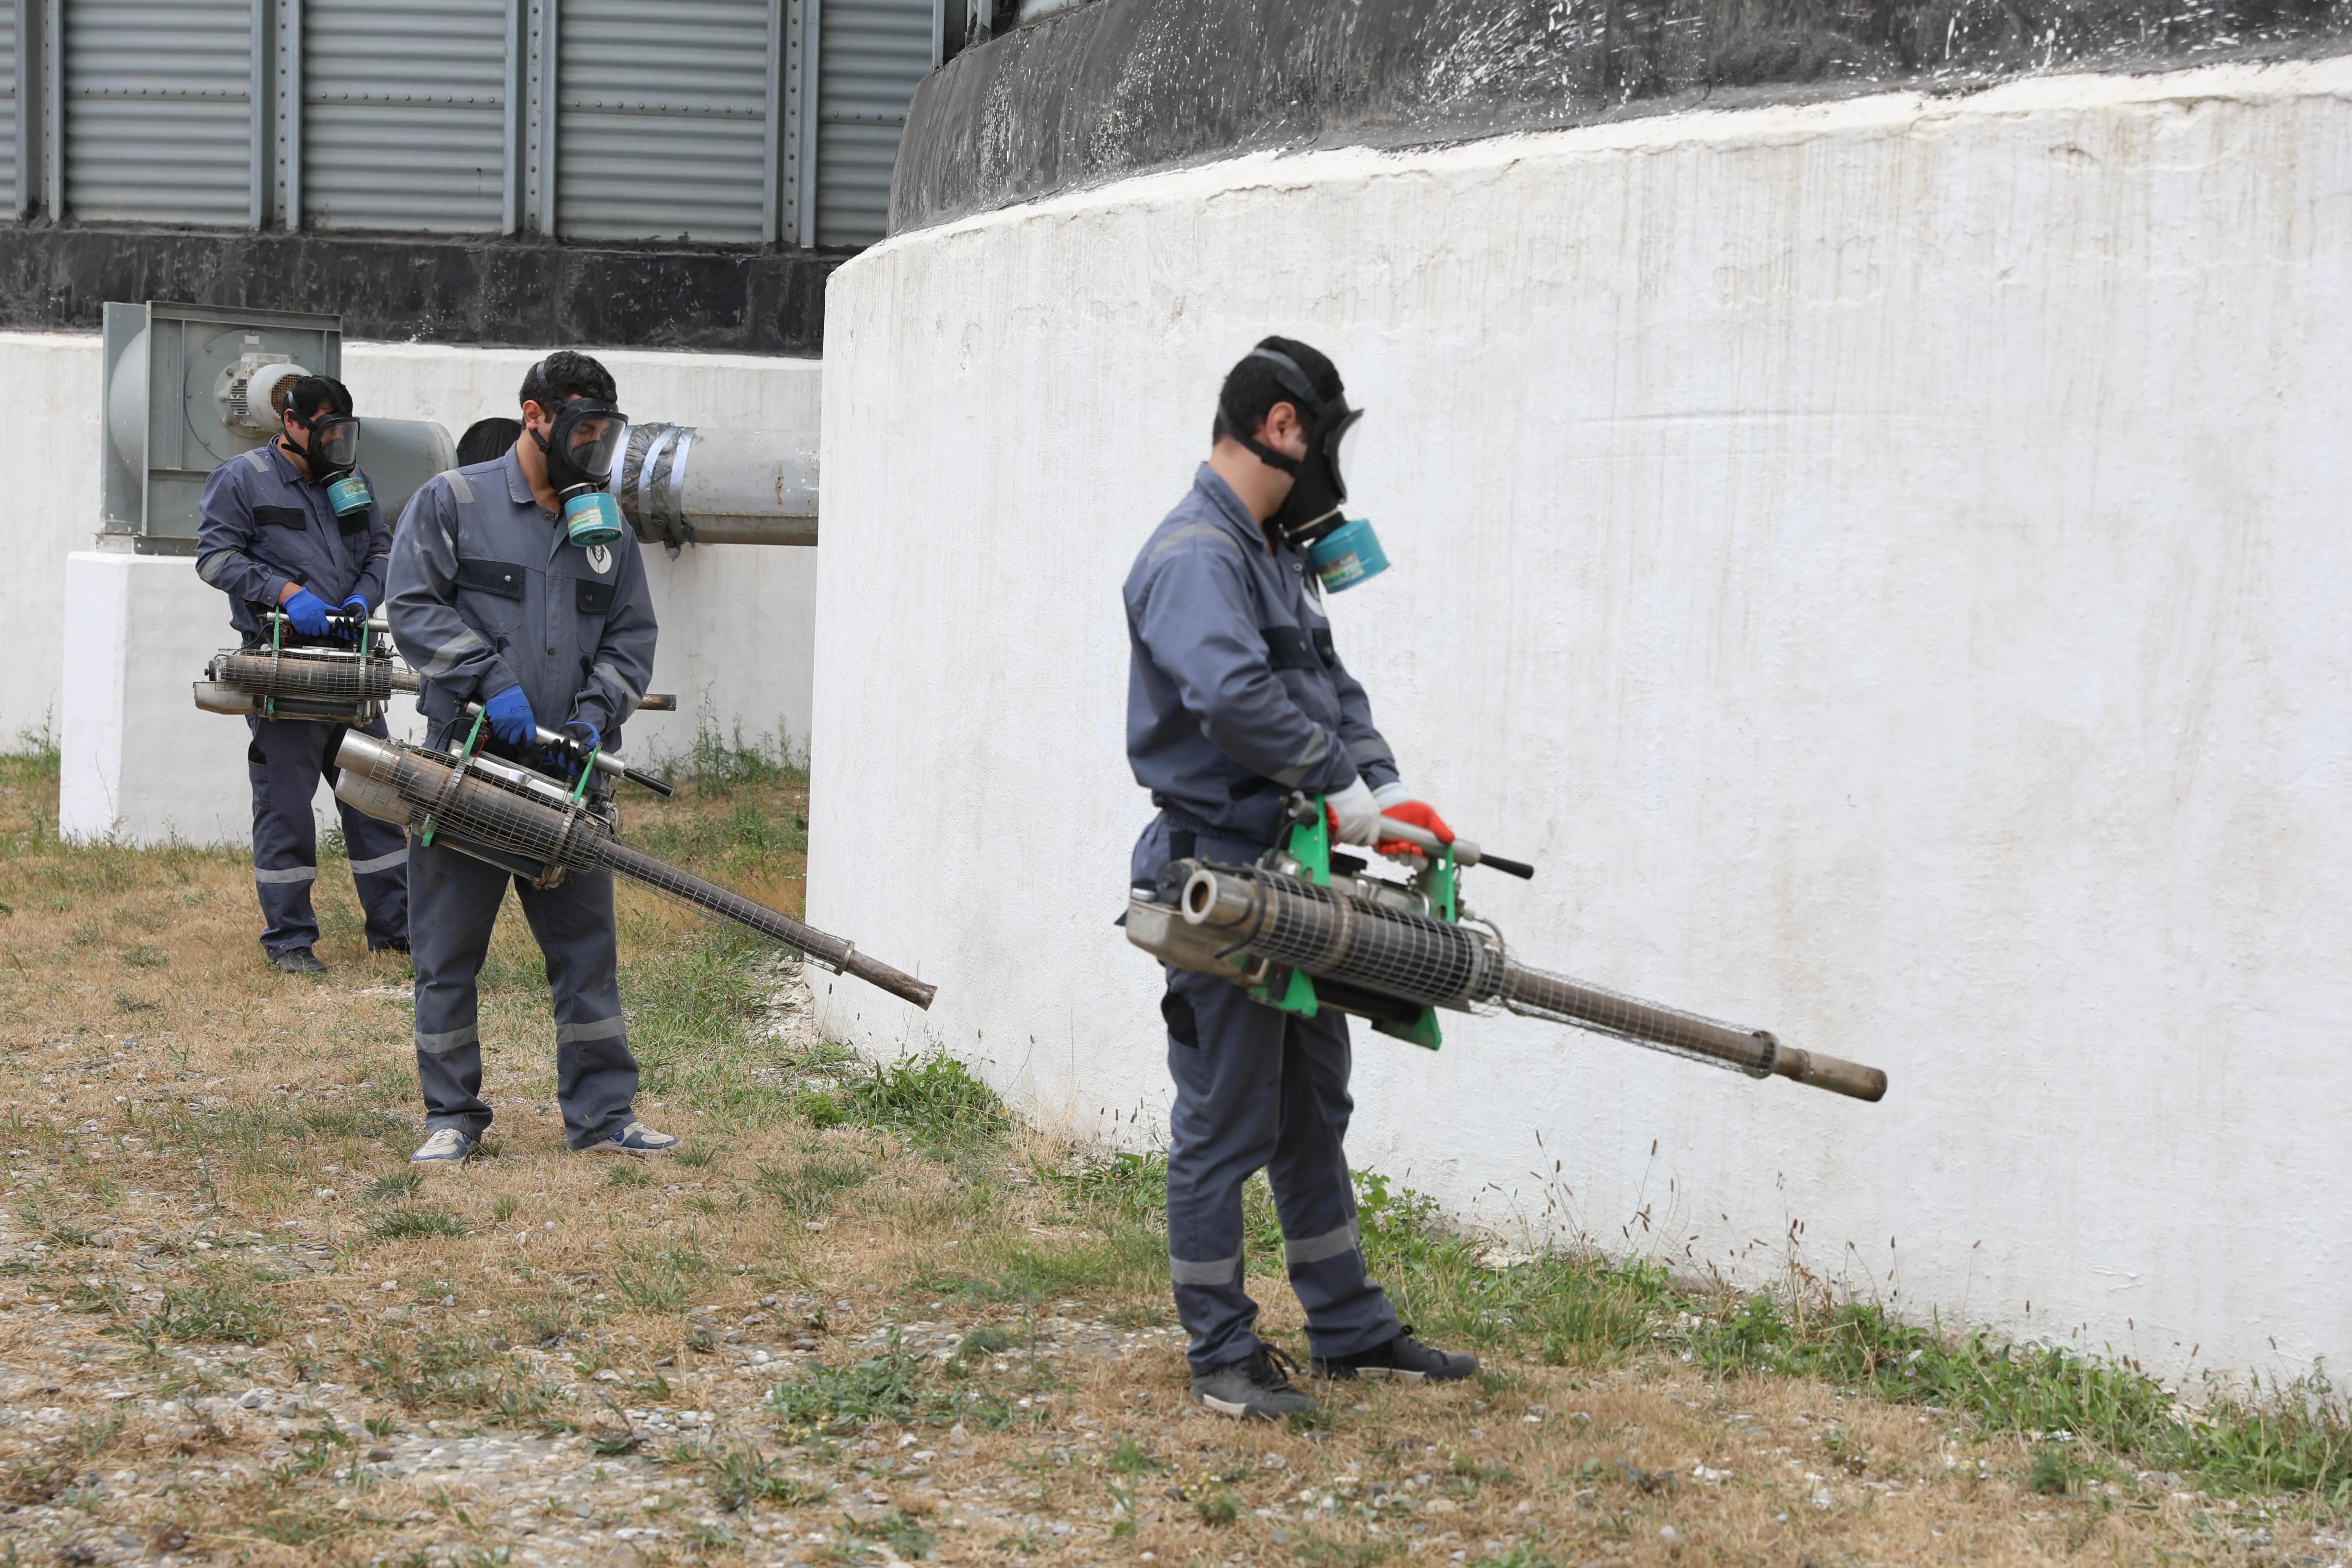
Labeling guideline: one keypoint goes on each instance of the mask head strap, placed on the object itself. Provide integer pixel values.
(1325, 419)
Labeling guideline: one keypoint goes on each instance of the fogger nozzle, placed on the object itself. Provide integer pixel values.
(512, 812)
(1335, 935)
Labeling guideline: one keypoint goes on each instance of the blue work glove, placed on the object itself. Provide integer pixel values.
(510, 717)
(355, 606)
(585, 736)
(308, 611)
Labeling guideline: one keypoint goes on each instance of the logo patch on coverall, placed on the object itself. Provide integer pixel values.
(600, 559)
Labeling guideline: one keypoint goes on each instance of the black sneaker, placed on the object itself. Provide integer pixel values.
(298, 961)
(398, 945)
(1255, 1389)
(1403, 1358)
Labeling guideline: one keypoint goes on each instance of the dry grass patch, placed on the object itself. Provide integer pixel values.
(863, 1316)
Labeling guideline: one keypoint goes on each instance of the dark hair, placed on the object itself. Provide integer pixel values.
(1254, 386)
(564, 376)
(487, 438)
(305, 396)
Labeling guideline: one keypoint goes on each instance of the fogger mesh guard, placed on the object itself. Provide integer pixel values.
(1337, 936)
(343, 679)
(1396, 952)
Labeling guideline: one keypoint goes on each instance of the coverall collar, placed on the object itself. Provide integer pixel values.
(1230, 510)
(281, 467)
(517, 486)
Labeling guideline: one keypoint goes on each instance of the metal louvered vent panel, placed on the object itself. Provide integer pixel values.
(870, 55)
(404, 115)
(8, 43)
(158, 110)
(661, 120)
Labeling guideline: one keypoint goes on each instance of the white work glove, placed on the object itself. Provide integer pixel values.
(1355, 813)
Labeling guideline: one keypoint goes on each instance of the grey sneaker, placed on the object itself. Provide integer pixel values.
(298, 961)
(446, 1146)
(1255, 1389)
(1403, 1358)
(637, 1138)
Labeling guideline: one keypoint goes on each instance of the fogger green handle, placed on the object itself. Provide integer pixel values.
(1464, 852)
(605, 762)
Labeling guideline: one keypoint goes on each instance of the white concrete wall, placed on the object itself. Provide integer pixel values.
(736, 620)
(1885, 561)
(49, 450)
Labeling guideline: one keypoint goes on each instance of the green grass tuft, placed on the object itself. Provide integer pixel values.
(416, 1223)
(889, 1386)
(934, 1100)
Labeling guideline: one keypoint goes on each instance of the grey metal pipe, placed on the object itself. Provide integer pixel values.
(681, 485)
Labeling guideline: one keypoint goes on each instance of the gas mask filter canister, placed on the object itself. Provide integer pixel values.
(349, 495)
(1349, 554)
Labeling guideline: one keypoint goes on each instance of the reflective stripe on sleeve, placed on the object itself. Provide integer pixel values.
(1192, 531)
(458, 486)
(466, 640)
(1370, 746)
(213, 567)
(630, 697)
(1309, 760)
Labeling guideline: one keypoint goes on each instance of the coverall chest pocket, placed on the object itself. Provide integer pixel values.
(490, 595)
(1296, 655)
(576, 609)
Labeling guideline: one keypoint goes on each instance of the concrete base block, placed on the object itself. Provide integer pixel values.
(132, 622)
(138, 760)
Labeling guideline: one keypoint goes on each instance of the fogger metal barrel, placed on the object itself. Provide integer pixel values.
(1368, 945)
(326, 683)
(513, 812)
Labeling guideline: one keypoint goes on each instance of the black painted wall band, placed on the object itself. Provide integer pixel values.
(1119, 87)
(490, 292)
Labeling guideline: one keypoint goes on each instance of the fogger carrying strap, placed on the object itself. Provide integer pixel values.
(428, 826)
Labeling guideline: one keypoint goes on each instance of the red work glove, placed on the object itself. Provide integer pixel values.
(1421, 815)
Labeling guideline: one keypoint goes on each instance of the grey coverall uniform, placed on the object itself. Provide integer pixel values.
(264, 526)
(1236, 696)
(486, 593)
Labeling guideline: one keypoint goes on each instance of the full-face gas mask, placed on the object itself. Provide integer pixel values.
(580, 451)
(330, 445)
(1343, 552)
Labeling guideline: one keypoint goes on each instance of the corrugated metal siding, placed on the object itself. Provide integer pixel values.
(404, 114)
(661, 118)
(158, 111)
(870, 55)
(8, 205)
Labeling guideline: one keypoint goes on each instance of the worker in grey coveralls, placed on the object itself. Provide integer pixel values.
(1236, 696)
(270, 537)
(494, 603)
